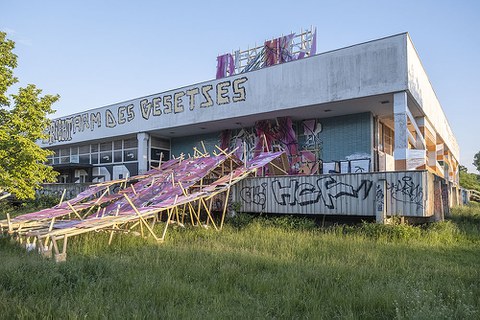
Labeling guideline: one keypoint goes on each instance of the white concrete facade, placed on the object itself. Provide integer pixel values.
(384, 77)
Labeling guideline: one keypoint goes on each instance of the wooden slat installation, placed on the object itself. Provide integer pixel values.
(176, 189)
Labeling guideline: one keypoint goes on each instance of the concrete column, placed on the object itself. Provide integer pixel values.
(400, 107)
(142, 156)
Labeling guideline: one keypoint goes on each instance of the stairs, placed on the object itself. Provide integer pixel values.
(474, 195)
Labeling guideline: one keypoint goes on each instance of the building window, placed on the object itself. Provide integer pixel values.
(117, 156)
(157, 154)
(84, 158)
(130, 143)
(106, 146)
(116, 151)
(84, 149)
(106, 157)
(386, 139)
(117, 144)
(130, 155)
(94, 158)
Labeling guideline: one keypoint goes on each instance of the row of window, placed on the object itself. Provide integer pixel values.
(116, 151)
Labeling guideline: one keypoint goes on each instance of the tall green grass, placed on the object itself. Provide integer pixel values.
(257, 268)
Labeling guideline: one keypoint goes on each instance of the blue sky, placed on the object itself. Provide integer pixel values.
(95, 53)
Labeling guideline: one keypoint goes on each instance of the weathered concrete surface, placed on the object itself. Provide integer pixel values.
(362, 70)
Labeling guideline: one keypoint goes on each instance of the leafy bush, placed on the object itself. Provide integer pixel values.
(42, 201)
(5, 207)
(290, 222)
(385, 231)
(17, 208)
(470, 180)
(240, 220)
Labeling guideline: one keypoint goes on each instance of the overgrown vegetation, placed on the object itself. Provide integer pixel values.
(29, 205)
(470, 180)
(257, 267)
(23, 120)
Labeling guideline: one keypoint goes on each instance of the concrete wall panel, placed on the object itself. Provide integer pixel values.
(337, 194)
(371, 68)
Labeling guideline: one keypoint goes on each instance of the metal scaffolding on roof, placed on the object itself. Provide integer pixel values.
(277, 50)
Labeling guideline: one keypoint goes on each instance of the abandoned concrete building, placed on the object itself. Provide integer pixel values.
(366, 112)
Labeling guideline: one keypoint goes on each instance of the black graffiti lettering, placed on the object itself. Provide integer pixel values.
(222, 93)
(239, 93)
(77, 123)
(255, 195)
(110, 119)
(157, 111)
(306, 193)
(326, 189)
(67, 129)
(208, 99)
(191, 93)
(130, 113)
(349, 190)
(405, 190)
(121, 115)
(95, 118)
(379, 196)
(85, 123)
(145, 109)
(167, 103)
(177, 102)
(284, 194)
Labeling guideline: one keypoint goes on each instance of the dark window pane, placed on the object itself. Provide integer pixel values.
(94, 147)
(64, 152)
(94, 158)
(84, 149)
(74, 158)
(84, 158)
(155, 154)
(117, 156)
(105, 146)
(106, 157)
(130, 155)
(73, 150)
(129, 143)
(117, 145)
(64, 159)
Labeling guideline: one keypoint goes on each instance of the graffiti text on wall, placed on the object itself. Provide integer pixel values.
(328, 190)
(406, 190)
(200, 98)
(325, 190)
(255, 195)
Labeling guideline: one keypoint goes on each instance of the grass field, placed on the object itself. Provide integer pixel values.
(256, 268)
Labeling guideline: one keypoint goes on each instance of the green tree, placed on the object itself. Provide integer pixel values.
(22, 124)
(470, 181)
(476, 161)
